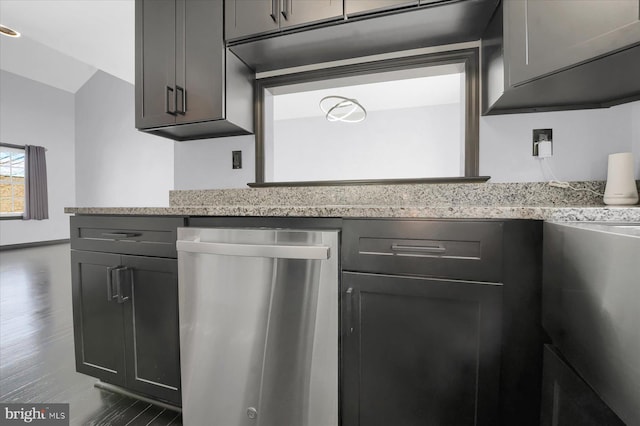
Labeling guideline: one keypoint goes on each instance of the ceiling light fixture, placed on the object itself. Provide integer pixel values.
(339, 108)
(4, 30)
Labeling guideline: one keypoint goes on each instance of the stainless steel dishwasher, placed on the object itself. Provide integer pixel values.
(258, 326)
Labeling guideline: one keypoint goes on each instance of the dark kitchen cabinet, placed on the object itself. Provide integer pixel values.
(151, 328)
(98, 320)
(317, 31)
(420, 351)
(440, 322)
(251, 17)
(547, 36)
(125, 307)
(567, 400)
(158, 58)
(187, 84)
(356, 7)
(546, 55)
(248, 17)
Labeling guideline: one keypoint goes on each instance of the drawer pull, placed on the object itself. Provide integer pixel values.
(418, 249)
(120, 234)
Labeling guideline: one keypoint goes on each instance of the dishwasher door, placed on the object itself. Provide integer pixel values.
(258, 326)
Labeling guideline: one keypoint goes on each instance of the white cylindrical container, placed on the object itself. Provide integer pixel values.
(621, 184)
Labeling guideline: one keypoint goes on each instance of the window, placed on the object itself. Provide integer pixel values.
(420, 122)
(11, 182)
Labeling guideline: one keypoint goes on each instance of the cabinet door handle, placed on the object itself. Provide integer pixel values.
(349, 311)
(110, 294)
(170, 94)
(286, 10)
(120, 297)
(418, 249)
(183, 99)
(274, 10)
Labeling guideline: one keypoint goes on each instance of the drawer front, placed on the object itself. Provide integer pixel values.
(466, 250)
(147, 236)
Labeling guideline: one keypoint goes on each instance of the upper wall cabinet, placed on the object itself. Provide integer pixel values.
(371, 27)
(355, 7)
(250, 17)
(547, 36)
(188, 85)
(540, 54)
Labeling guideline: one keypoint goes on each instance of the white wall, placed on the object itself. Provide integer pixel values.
(582, 140)
(116, 165)
(389, 144)
(36, 114)
(206, 163)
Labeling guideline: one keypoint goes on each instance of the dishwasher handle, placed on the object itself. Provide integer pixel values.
(318, 252)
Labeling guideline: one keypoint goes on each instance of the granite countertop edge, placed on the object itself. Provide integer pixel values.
(549, 213)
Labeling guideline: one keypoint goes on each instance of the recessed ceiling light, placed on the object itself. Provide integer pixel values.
(8, 31)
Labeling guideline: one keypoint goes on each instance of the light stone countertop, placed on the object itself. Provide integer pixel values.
(537, 201)
(549, 213)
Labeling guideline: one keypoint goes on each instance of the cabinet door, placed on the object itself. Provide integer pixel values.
(151, 326)
(248, 17)
(155, 63)
(299, 12)
(354, 7)
(200, 67)
(97, 318)
(543, 36)
(419, 351)
(567, 400)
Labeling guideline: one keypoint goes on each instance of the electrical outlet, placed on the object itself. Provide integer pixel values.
(543, 135)
(236, 159)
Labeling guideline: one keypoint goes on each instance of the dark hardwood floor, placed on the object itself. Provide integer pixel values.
(36, 344)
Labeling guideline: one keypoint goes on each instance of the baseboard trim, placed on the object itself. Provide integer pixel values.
(33, 244)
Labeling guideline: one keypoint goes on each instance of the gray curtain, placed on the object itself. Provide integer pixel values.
(35, 184)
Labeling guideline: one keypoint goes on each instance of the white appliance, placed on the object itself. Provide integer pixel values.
(621, 184)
